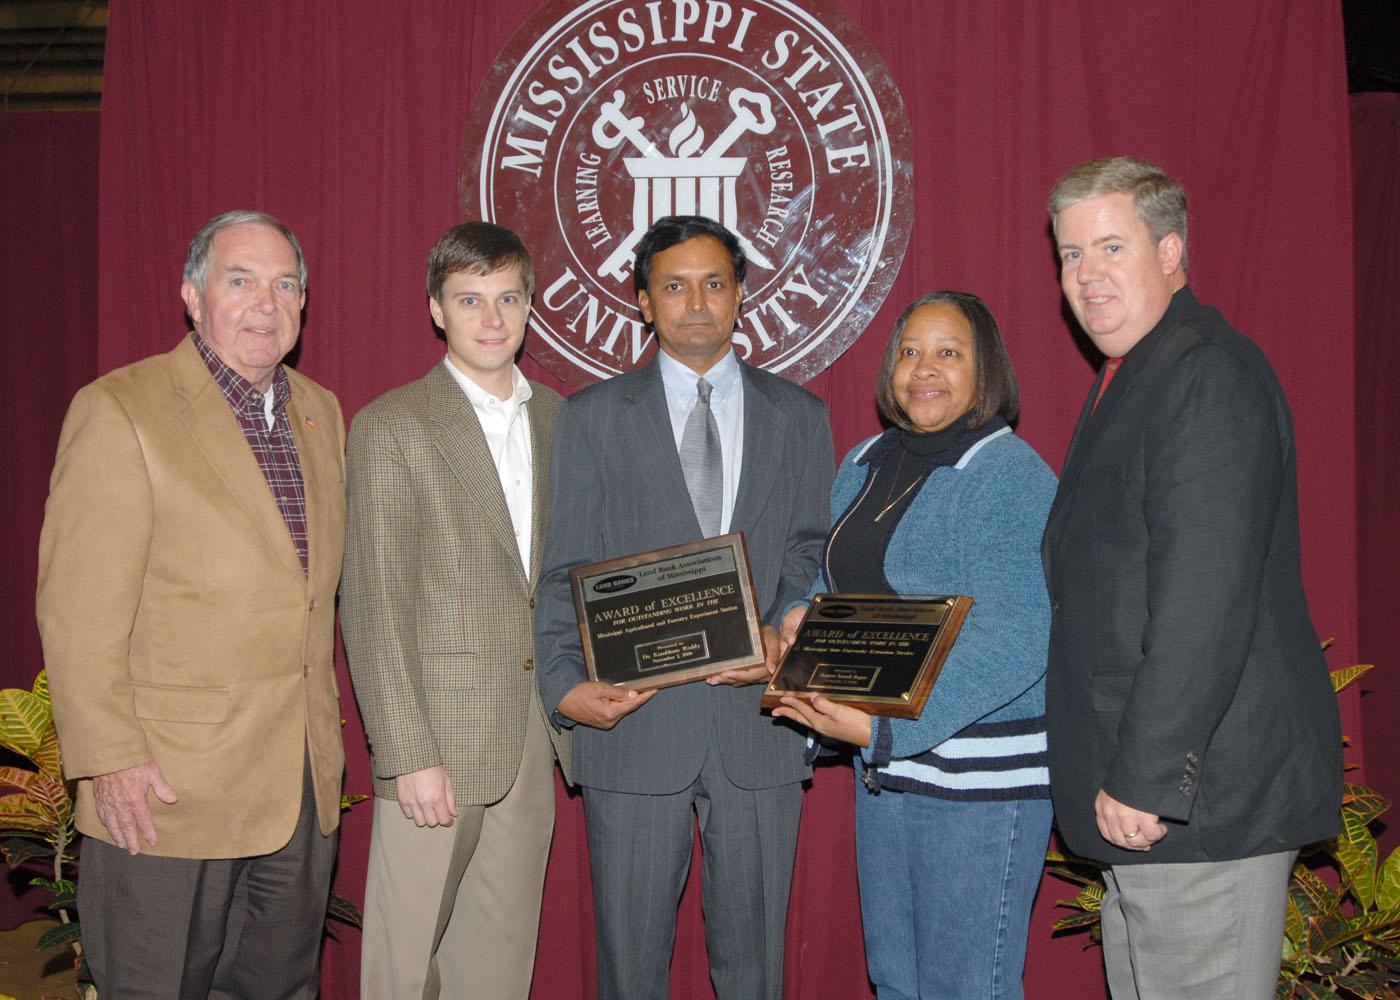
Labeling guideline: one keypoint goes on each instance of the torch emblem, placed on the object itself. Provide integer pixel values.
(683, 184)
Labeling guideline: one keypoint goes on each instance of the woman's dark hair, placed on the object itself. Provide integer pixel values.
(995, 393)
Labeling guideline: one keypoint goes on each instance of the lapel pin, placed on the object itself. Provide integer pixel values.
(310, 423)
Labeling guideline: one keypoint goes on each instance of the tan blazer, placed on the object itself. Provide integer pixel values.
(176, 620)
(436, 609)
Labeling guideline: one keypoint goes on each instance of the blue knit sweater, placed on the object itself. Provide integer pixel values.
(974, 528)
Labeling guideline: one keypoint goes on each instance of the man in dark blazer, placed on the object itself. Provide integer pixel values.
(1193, 733)
(447, 478)
(645, 761)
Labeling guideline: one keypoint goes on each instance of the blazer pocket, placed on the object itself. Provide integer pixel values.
(1110, 691)
(165, 703)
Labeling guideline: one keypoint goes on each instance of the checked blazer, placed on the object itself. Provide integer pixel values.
(436, 609)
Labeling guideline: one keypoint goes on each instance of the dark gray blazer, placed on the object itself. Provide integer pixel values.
(617, 489)
(1185, 677)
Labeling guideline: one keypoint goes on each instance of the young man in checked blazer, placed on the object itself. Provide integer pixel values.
(446, 520)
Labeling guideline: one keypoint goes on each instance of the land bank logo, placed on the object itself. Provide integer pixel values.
(612, 584)
(778, 120)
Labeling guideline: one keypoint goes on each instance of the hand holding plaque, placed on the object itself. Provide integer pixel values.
(880, 653)
(668, 616)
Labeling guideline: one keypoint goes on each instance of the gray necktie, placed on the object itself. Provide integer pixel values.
(701, 461)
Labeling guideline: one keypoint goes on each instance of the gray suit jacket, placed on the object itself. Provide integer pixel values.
(1185, 678)
(618, 489)
(435, 607)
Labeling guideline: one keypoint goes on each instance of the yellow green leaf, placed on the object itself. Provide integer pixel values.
(1090, 897)
(1315, 991)
(1312, 896)
(20, 813)
(1315, 933)
(41, 687)
(49, 796)
(1293, 923)
(1366, 803)
(47, 755)
(1388, 882)
(346, 801)
(1356, 853)
(1343, 676)
(1340, 931)
(1075, 921)
(54, 797)
(23, 719)
(55, 936)
(17, 778)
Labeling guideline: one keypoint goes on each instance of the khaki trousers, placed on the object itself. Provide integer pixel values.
(454, 911)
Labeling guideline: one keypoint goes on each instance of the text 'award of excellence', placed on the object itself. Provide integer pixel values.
(670, 615)
(877, 652)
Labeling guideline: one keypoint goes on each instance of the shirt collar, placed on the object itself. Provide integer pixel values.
(520, 391)
(241, 394)
(680, 380)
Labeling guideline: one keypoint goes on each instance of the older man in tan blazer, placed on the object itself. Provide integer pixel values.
(447, 483)
(188, 565)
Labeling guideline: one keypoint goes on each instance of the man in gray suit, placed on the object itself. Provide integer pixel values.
(1193, 735)
(447, 480)
(645, 761)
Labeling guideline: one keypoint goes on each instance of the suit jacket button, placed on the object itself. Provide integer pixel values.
(529, 663)
(315, 604)
(306, 670)
(532, 604)
(1054, 605)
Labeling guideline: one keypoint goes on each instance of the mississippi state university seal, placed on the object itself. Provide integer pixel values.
(778, 120)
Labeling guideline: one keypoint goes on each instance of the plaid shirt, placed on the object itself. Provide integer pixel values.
(275, 450)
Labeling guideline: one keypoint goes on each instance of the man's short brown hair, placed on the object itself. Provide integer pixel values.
(478, 248)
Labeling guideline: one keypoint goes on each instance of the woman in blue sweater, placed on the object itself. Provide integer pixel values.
(953, 808)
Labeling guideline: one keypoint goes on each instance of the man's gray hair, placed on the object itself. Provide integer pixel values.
(1159, 201)
(197, 259)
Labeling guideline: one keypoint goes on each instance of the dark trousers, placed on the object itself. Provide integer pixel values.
(639, 847)
(189, 929)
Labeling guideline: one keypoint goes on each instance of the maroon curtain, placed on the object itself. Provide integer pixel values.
(1375, 159)
(48, 289)
(346, 119)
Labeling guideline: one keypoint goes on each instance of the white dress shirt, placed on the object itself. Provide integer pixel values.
(506, 424)
(727, 405)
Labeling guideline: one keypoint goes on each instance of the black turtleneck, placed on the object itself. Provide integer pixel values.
(899, 463)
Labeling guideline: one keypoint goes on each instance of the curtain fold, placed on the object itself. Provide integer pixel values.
(1375, 153)
(48, 289)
